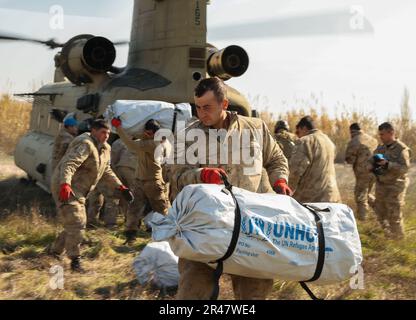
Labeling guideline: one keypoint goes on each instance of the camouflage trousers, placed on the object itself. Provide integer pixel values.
(98, 200)
(126, 176)
(196, 283)
(362, 194)
(388, 205)
(148, 194)
(73, 218)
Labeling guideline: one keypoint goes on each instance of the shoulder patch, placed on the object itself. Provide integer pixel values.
(82, 148)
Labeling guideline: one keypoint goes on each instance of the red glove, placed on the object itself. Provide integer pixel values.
(116, 122)
(65, 192)
(212, 175)
(281, 187)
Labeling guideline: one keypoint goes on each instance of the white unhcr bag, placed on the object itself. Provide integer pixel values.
(278, 237)
(135, 113)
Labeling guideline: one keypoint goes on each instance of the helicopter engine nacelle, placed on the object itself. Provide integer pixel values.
(85, 56)
(227, 63)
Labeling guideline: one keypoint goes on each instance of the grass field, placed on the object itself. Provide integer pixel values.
(27, 226)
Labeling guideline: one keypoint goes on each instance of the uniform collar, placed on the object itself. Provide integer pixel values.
(233, 120)
(66, 132)
(100, 146)
(232, 117)
(313, 131)
(392, 145)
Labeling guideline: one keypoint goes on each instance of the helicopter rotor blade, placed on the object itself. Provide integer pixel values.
(121, 43)
(314, 24)
(52, 44)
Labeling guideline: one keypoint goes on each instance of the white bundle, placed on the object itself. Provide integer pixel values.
(278, 236)
(135, 113)
(157, 264)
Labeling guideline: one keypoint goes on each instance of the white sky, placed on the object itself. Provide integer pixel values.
(373, 69)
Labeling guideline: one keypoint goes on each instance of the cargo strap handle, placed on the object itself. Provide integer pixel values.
(321, 251)
(175, 116)
(234, 238)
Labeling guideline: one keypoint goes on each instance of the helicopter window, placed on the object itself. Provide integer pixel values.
(197, 76)
(38, 119)
(48, 121)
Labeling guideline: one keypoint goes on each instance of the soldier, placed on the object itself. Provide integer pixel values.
(123, 163)
(67, 133)
(99, 200)
(312, 169)
(390, 165)
(149, 186)
(359, 150)
(285, 138)
(86, 161)
(196, 278)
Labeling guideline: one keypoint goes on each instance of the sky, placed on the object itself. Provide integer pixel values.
(363, 72)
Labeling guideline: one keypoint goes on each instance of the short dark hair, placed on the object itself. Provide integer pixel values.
(307, 122)
(100, 124)
(386, 126)
(153, 125)
(281, 125)
(355, 127)
(215, 85)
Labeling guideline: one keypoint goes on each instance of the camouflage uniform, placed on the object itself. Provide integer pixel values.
(391, 187)
(148, 187)
(62, 141)
(98, 199)
(359, 150)
(84, 164)
(312, 169)
(286, 141)
(196, 278)
(123, 163)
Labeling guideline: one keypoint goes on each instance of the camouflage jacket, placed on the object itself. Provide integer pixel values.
(398, 155)
(358, 151)
(148, 166)
(286, 141)
(62, 141)
(219, 152)
(121, 156)
(312, 169)
(85, 163)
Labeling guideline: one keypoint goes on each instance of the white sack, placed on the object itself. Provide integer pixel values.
(157, 264)
(278, 236)
(135, 113)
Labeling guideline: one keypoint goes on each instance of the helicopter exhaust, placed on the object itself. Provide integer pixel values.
(84, 56)
(227, 63)
(99, 54)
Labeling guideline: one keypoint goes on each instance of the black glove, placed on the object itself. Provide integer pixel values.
(127, 194)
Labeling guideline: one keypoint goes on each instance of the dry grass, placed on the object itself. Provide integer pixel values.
(14, 119)
(26, 229)
(28, 225)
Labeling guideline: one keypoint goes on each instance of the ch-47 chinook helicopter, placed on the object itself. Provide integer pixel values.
(168, 55)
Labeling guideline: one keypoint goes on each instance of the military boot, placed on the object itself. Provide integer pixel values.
(130, 236)
(362, 213)
(396, 231)
(76, 265)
